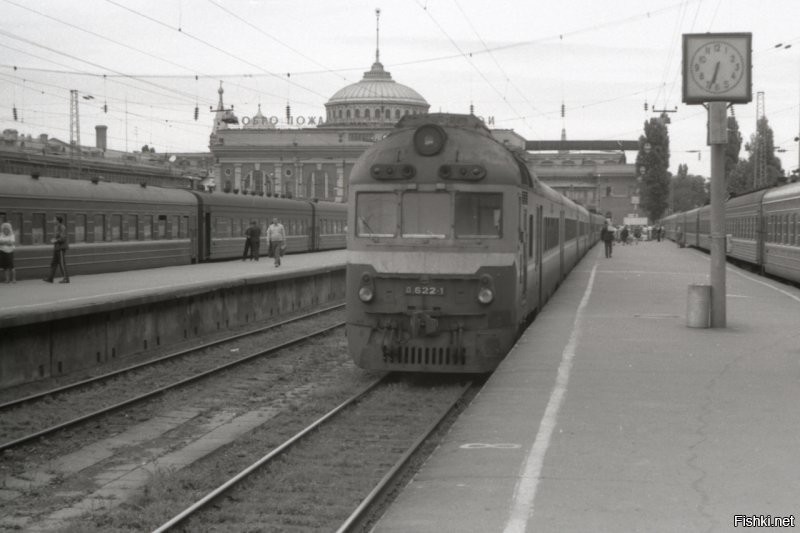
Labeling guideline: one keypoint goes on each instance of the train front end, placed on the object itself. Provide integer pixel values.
(434, 259)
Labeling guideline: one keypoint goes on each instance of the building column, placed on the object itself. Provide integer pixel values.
(340, 181)
(237, 177)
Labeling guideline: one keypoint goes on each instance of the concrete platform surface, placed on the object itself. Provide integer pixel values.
(610, 414)
(33, 301)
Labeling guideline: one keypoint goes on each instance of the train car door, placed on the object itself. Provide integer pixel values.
(206, 236)
(522, 261)
(561, 234)
(539, 244)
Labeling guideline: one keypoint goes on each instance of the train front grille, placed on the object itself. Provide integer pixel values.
(428, 355)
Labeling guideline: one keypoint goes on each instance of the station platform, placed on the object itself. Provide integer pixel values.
(610, 414)
(35, 301)
(49, 330)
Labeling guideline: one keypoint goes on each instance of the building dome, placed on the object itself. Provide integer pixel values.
(377, 100)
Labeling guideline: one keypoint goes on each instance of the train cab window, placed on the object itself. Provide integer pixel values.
(80, 228)
(38, 228)
(116, 227)
(99, 228)
(376, 214)
(425, 215)
(479, 215)
(147, 227)
(133, 227)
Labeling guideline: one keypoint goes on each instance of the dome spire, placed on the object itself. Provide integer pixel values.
(377, 35)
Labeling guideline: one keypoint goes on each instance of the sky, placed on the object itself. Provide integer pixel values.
(141, 67)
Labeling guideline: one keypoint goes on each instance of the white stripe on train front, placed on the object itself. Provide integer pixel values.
(432, 262)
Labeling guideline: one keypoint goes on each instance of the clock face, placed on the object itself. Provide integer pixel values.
(717, 67)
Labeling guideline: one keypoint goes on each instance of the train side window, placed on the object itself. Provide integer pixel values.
(183, 227)
(162, 226)
(147, 227)
(237, 227)
(222, 227)
(80, 228)
(426, 215)
(116, 227)
(38, 228)
(376, 214)
(133, 227)
(479, 215)
(99, 228)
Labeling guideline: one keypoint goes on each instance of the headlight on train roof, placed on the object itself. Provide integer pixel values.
(365, 294)
(429, 139)
(485, 295)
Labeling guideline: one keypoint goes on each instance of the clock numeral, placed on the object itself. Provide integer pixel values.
(701, 76)
(702, 59)
(717, 47)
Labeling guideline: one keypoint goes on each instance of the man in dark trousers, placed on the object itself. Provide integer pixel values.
(252, 242)
(60, 247)
(607, 236)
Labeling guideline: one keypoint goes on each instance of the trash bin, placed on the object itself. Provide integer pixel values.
(698, 306)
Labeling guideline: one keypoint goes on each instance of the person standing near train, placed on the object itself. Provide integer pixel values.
(607, 236)
(252, 243)
(7, 244)
(60, 247)
(276, 239)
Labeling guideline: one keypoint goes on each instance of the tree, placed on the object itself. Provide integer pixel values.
(764, 140)
(654, 188)
(688, 191)
(732, 150)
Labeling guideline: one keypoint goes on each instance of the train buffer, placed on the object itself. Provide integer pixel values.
(611, 414)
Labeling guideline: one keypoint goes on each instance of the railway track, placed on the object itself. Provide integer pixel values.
(146, 376)
(361, 441)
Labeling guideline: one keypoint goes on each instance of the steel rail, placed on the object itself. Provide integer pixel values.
(205, 500)
(144, 364)
(387, 481)
(161, 390)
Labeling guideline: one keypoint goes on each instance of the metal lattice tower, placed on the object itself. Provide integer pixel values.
(760, 170)
(74, 130)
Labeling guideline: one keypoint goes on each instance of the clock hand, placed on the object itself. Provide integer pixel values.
(716, 71)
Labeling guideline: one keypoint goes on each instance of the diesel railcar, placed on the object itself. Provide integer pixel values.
(763, 229)
(452, 247)
(116, 227)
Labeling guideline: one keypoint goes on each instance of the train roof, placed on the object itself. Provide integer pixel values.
(785, 192)
(25, 186)
(464, 144)
(263, 202)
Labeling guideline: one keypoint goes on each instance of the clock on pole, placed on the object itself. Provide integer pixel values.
(717, 67)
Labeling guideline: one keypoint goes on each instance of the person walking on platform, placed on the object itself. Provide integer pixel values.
(276, 239)
(607, 236)
(623, 235)
(60, 247)
(7, 245)
(252, 243)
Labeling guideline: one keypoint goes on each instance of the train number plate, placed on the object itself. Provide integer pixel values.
(424, 290)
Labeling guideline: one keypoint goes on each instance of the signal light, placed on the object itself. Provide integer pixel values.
(15, 113)
(196, 112)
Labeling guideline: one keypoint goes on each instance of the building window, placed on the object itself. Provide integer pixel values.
(358, 113)
(366, 113)
(608, 191)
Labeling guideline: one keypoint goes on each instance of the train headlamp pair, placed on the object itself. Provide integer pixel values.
(366, 292)
(486, 292)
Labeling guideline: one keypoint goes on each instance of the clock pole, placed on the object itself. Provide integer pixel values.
(717, 139)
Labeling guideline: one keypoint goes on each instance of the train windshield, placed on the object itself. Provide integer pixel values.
(426, 215)
(376, 214)
(479, 215)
